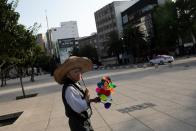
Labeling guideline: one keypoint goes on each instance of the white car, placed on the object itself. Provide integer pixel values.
(161, 59)
(95, 66)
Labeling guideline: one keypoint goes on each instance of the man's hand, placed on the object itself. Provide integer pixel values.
(96, 99)
(87, 95)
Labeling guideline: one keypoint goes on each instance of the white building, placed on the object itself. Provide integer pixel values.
(108, 19)
(67, 29)
(61, 35)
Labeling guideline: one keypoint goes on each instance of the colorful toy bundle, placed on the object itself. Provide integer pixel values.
(104, 90)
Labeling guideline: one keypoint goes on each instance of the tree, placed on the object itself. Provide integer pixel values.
(194, 28)
(17, 43)
(165, 21)
(186, 10)
(186, 14)
(90, 52)
(115, 45)
(176, 19)
(42, 61)
(22, 47)
(33, 55)
(8, 22)
(134, 40)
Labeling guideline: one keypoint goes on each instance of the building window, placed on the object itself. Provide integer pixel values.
(114, 24)
(147, 8)
(125, 19)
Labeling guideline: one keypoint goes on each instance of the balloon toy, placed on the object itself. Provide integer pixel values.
(104, 90)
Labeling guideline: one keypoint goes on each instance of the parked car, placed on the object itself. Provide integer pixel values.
(161, 59)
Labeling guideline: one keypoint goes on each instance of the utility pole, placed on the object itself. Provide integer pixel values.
(48, 35)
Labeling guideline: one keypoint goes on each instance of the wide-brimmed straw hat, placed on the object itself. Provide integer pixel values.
(71, 63)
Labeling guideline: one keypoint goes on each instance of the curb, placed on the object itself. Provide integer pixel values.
(145, 65)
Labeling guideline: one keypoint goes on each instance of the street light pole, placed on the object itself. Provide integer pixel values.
(123, 51)
(49, 35)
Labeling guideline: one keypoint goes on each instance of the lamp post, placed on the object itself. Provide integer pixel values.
(123, 51)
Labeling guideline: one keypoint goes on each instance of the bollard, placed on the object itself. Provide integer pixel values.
(156, 66)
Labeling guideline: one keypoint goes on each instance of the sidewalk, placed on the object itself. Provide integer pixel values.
(161, 100)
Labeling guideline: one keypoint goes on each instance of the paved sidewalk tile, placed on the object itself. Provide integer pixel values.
(131, 125)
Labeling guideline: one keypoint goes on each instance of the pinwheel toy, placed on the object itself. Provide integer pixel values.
(104, 90)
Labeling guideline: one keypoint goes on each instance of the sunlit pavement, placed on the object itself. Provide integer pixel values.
(146, 99)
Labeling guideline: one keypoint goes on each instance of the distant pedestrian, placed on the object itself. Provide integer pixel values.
(76, 100)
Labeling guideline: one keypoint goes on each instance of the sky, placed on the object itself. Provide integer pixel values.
(57, 11)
